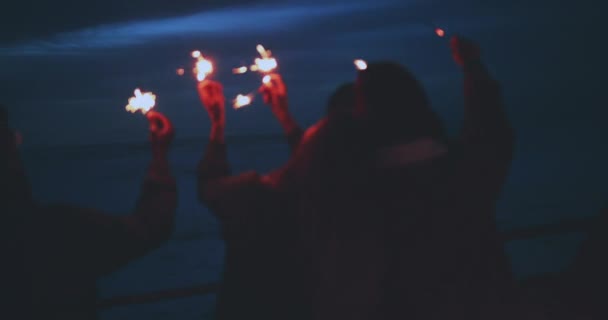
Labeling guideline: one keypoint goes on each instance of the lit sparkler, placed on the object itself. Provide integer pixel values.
(239, 70)
(440, 32)
(266, 63)
(242, 101)
(141, 101)
(360, 64)
(203, 67)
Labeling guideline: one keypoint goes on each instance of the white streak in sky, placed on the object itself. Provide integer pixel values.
(225, 22)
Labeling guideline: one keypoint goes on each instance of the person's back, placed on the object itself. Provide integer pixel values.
(403, 221)
(442, 253)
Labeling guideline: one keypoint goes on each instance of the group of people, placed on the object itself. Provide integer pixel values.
(376, 215)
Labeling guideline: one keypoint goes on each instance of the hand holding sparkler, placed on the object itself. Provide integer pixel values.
(274, 91)
(464, 51)
(265, 65)
(161, 133)
(212, 97)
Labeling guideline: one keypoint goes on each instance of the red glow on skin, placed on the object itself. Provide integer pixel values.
(440, 32)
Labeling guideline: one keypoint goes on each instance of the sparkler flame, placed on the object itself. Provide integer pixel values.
(242, 101)
(360, 64)
(262, 51)
(266, 79)
(239, 70)
(440, 32)
(203, 66)
(141, 101)
(180, 71)
(266, 63)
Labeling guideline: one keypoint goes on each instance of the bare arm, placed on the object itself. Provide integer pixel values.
(99, 243)
(274, 92)
(227, 196)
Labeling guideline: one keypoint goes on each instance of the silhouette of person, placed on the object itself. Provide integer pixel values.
(394, 220)
(57, 252)
(256, 227)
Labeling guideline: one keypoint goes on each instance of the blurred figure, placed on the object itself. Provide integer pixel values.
(258, 281)
(56, 253)
(395, 221)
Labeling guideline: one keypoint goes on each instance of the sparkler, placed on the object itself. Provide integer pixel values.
(440, 32)
(266, 63)
(239, 70)
(242, 101)
(203, 67)
(141, 101)
(360, 64)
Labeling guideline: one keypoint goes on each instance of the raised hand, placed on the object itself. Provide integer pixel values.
(161, 132)
(464, 51)
(274, 92)
(212, 97)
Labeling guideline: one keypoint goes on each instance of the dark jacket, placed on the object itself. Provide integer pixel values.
(407, 231)
(60, 251)
(258, 233)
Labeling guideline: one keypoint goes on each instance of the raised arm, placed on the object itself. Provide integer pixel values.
(214, 164)
(487, 137)
(227, 196)
(99, 243)
(274, 92)
(485, 121)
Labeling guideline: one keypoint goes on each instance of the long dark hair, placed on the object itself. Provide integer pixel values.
(395, 105)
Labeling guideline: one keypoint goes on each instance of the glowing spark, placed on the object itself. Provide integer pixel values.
(203, 66)
(360, 64)
(266, 79)
(262, 51)
(180, 71)
(266, 64)
(141, 101)
(239, 70)
(440, 32)
(196, 54)
(242, 101)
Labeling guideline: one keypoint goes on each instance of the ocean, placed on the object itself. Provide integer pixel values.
(108, 178)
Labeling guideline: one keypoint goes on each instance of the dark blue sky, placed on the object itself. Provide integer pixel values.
(69, 68)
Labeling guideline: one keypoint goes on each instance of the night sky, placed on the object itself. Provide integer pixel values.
(68, 68)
